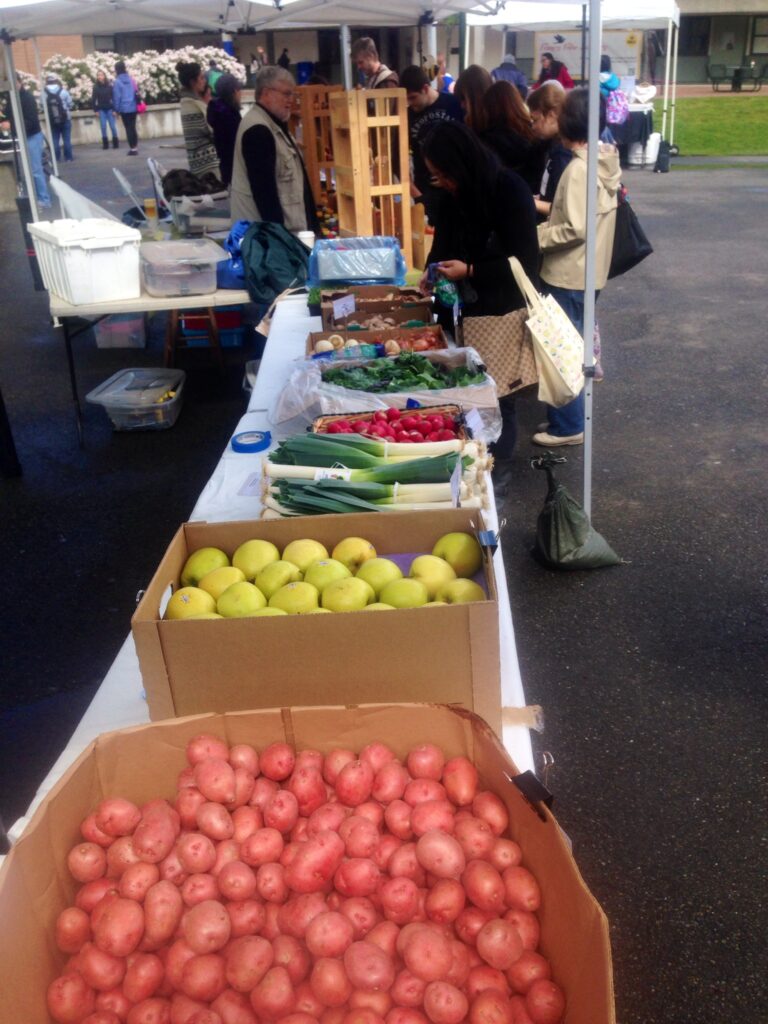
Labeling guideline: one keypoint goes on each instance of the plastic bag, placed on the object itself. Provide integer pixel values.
(376, 260)
(230, 272)
(306, 396)
(565, 538)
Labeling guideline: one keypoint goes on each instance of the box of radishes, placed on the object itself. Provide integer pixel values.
(366, 865)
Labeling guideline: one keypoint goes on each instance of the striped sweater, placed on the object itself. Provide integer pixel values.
(198, 136)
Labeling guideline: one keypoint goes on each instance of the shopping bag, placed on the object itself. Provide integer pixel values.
(506, 348)
(630, 244)
(557, 345)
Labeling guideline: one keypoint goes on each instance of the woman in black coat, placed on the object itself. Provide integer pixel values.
(223, 116)
(485, 215)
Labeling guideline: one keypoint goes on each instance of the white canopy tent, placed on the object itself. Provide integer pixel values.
(25, 18)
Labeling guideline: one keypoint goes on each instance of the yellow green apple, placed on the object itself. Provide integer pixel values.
(325, 571)
(240, 600)
(461, 551)
(207, 615)
(432, 571)
(216, 582)
(295, 598)
(253, 556)
(378, 572)
(353, 551)
(379, 606)
(266, 612)
(200, 563)
(461, 592)
(348, 595)
(187, 602)
(276, 575)
(405, 593)
(304, 552)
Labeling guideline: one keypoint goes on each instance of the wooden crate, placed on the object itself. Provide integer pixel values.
(369, 130)
(311, 126)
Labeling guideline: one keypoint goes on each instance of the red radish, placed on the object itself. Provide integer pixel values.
(403, 437)
(380, 416)
(447, 435)
(393, 414)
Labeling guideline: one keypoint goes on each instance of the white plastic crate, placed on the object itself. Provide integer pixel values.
(91, 260)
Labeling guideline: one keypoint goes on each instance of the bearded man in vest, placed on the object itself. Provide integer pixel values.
(269, 180)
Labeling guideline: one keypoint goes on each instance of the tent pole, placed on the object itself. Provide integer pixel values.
(666, 80)
(432, 40)
(591, 240)
(463, 42)
(46, 113)
(583, 43)
(673, 93)
(21, 132)
(346, 67)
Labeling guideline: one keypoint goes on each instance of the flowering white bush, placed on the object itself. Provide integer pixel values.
(155, 73)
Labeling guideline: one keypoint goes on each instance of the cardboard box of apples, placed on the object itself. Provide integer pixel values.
(252, 636)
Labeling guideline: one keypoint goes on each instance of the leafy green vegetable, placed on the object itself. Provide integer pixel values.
(410, 371)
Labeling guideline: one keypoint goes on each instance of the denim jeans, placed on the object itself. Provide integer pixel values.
(568, 420)
(36, 144)
(107, 117)
(62, 133)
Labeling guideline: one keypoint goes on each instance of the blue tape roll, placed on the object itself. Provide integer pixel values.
(251, 441)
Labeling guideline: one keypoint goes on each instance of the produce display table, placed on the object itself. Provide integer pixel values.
(93, 312)
(231, 494)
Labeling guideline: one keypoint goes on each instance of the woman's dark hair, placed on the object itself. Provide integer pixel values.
(552, 71)
(573, 119)
(471, 85)
(459, 154)
(505, 110)
(187, 72)
(120, 67)
(226, 87)
(605, 63)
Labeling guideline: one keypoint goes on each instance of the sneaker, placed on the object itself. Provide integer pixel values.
(133, 152)
(551, 441)
(599, 374)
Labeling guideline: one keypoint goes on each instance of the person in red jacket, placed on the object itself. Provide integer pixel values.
(553, 70)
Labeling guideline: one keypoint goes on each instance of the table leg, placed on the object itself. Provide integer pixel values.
(73, 379)
(171, 336)
(736, 81)
(9, 460)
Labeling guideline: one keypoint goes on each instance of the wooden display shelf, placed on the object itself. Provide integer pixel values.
(311, 127)
(369, 132)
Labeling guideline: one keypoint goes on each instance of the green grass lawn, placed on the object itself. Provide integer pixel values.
(719, 125)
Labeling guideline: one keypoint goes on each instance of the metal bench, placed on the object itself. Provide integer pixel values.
(752, 79)
(718, 76)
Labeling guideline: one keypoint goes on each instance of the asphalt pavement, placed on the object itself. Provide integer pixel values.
(652, 675)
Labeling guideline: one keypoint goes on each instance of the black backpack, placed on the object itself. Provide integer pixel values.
(56, 110)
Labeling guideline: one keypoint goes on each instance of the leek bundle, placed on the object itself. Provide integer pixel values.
(295, 497)
(434, 470)
(358, 452)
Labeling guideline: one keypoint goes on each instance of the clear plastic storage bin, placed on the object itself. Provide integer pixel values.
(184, 267)
(122, 330)
(87, 261)
(141, 399)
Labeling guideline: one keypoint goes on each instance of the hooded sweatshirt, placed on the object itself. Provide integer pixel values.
(563, 237)
(55, 89)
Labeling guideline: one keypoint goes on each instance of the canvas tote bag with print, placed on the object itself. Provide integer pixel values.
(557, 345)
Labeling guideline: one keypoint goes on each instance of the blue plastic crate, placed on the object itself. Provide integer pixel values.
(229, 337)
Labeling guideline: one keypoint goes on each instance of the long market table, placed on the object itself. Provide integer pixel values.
(233, 493)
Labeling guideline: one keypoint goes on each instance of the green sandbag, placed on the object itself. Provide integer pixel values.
(565, 538)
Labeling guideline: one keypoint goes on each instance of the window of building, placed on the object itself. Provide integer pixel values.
(760, 35)
(694, 36)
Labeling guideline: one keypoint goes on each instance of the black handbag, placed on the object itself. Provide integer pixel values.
(630, 244)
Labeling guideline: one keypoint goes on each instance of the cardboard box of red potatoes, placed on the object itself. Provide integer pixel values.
(143, 764)
(448, 654)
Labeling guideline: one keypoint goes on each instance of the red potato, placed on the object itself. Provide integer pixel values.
(101, 1017)
(309, 758)
(263, 791)
(545, 1002)
(163, 907)
(203, 977)
(171, 869)
(399, 899)
(271, 927)
(527, 925)
(120, 928)
(357, 876)
(116, 816)
(529, 967)
(263, 847)
(120, 855)
(227, 850)
(91, 832)
(430, 815)
(360, 835)
(183, 1008)
(440, 854)
(476, 838)
(408, 989)
(405, 1015)
(87, 862)
(73, 930)
(186, 777)
(205, 1016)
(245, 784)
(364, 1015)
(489, 808)
(295, 916)
(277, 761)
(379, 1002)
(327, 817)
(206, 927)
(307, 785)
(271, 883)
(199, 888)
(247, 821)
(307, 1001)
(373, 811)
(389, 782)
(247, 917)
(101, 908)
(484, 886)
(404, 863)
(368, 967)
(187, 802)
(426, 762)
(491, 1006)
(298, 1017)
(70, 999)
(156, 833)
(246, 961)
(273, 997)
(92, 893)
(521, 889)
(444, 1003)
(397, 815)
(115, 1001)
(384, 935)
(214, 821)
(233, 1008)
(499, 944)
(315, 863)
(427, 953)
(376, 754)
(292, 954)
(196, 852)
(282, 811)
(406, 932)
(243, 755)
(460, 780)
(143, 976)
(150, 1011)
(505, 853)
(485, 977)
(469, 922)
(101, 970)
(329, 982)
(333, 763)
(333, 1015)
(445, 900)
(385, 847)
(236, 881)
(179, 953)
(354, 783)
(419, 790)
(137, 879)
(460, 963)
(290, 851)
(299, 832)
(329, 934)
(205, 745)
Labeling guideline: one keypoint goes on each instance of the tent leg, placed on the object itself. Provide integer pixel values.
(346, 67)
(21, 134)
(666, 80)
(583, 43)
(463, 43)
(673, 94)
(46, 114)
(595, 34)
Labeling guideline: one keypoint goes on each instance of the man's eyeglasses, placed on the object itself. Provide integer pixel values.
(288, 93)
